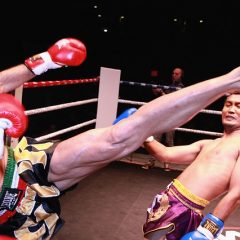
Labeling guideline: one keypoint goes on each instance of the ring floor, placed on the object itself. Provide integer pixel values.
(112, 203)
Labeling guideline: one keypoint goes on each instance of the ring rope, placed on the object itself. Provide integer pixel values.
(150, 85)
(90, 80)
(59, 83)
(131, 102)
(65, 130)
(216, 134)
(211, 111)
(59, 106)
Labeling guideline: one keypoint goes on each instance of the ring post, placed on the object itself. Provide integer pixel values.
(108, 94)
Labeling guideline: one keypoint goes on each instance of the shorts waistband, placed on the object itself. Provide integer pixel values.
(187, 194)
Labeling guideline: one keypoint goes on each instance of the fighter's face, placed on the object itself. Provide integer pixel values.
(231, 111)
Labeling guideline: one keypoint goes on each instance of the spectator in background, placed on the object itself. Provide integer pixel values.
(176, 83)
(176, 80)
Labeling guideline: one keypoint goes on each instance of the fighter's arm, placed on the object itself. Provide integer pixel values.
(14, 77)
(184, 154)
(232, 198)
(65, 52)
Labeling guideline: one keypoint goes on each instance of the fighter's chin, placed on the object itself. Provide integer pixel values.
(229, 122)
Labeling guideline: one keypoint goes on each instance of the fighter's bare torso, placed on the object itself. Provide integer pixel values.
(209, 175)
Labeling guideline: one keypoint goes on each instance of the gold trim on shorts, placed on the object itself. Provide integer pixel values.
(186, 193)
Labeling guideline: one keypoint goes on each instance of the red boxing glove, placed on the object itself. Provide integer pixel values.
(13, 120)
(65, 52)
(12, 116)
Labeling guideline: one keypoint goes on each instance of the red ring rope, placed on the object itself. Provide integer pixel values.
(58, 83)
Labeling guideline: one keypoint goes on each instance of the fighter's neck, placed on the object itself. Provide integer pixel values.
(231, 131)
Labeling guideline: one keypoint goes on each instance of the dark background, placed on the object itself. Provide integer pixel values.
(146, 38)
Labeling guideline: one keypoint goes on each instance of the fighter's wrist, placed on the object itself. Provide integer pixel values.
(211, 226)
(41, 63)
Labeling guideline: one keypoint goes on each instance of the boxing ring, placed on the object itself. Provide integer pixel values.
(108, 104)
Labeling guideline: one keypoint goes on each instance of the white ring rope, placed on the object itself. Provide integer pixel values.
(211, 111)
(65, 130)
(216, 134)
(131, 102)
(60, 106)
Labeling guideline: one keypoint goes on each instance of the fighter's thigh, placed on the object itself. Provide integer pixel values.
(68, 166)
